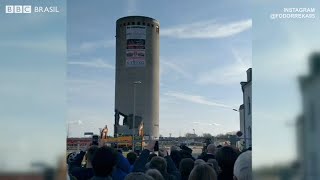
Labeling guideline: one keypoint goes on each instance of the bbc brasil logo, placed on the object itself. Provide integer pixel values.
(29, 9)
(18, 9)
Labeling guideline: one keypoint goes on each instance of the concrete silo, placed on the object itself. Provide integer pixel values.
(137, 75)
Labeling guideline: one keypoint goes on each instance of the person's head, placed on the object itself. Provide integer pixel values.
(215, 165)
(203, 172)
(174, 148)
(211, 149)
(138, 176)
(186, 166)
(226, 157)
(174, 152)
(155, 174)
(185, 149)
(158, 163)
(151, 156)
(243, 167)
(176, 157)
(198, 162)
(104, 159)
(89, 155)
(132, 157)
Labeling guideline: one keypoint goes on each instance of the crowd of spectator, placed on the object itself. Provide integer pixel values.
(216, 163)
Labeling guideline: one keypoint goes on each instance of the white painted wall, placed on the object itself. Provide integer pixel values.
(248, 113)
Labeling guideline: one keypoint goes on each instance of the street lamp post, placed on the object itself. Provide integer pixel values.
(134, 112)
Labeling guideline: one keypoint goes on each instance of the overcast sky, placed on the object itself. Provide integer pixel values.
(32, 90)
(280, 55)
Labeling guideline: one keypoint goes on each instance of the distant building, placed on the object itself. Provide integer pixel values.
(308, 126)
(245, 110)
(76, 144)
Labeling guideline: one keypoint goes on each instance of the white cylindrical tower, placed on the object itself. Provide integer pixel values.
(137, 75)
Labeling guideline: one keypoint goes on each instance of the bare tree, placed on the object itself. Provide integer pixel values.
(207, 135)
(190, 135)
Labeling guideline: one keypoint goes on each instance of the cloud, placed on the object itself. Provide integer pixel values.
(92, 120)
(89, 46)
(292, 54)
(176, 68)
(32, 23)
(93, 84)
(215, 124)
(97, 44)
(78, 122)
(95, 63)
(132, 7)
(90, 90)
(195, 99)
(239, 59)
(207, 29)
(53, 45)
(230, 74)
(206, 124)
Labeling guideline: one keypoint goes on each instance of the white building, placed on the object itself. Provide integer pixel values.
(245, 110)
(308, 126)
(241, 143)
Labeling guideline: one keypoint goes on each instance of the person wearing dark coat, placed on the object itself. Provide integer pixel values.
(163, 163)
(176, 157)
(210, 154)
(226, 157)
(122, 165)
(186, 152)
(185, 168)
(131, 157)
(75, 168)
(103, 163)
